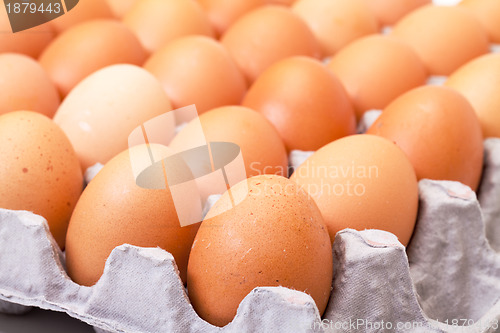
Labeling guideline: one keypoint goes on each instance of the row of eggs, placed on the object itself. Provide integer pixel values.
(267, 62)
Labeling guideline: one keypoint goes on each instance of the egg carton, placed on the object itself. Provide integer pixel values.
(448, 277)
(140, 290)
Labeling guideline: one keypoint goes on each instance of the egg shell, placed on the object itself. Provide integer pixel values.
(88, 47)
(39, 170)
(113, 210)
(444, 37)
(157, 22)
(120, 7)
(85, 10)
(488, 14)
(261, 146)
(281, 2)
(336, 23)
(305, 101)
(25, 85)
(479, 82)
(438, 130)
(274, 237)
(197, 70)
(266, 35)
(377, 69)
(223, 13)
(388, 12)
(30, 42)
(100, 112)
(362, 182)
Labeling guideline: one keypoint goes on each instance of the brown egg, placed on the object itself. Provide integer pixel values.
(388, 12)
(85, 10)
(39, 170)
(274, 237)
(261, 146)
(362, 182)
(336, 23)
(488, 14)
(120, 7)
(438, 130)
(223, 13)
(100, 113)
(305, 101)
(197, 70)
(267, 35)
(24, 85)
(157, 22)
(30, 42)
(88, 47)
(444, 37)
(113, 210)
(281, 2)
(479, 82)
(377, 69)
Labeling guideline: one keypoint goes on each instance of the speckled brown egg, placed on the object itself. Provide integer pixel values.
(274, 237)
(114, 210)
(40, 171)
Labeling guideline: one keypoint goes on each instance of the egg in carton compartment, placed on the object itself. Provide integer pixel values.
(447, 280)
